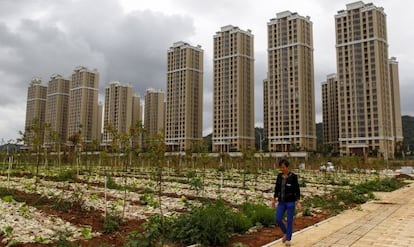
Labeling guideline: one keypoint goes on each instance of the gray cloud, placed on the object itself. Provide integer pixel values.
(126, 47)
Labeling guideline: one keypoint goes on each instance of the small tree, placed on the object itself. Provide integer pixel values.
(33, 137)
(156, 151)
(76, 142)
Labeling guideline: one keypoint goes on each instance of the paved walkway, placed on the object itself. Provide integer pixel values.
(388, 221)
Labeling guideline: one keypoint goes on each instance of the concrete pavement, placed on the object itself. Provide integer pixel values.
(388, 221)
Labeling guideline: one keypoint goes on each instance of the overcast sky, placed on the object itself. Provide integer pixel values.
(127, 41)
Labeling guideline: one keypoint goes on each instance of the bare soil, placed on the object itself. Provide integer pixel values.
(95, 219)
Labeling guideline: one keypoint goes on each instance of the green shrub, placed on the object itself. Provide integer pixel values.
(352, 197)
(307, 211)
(111, 184)
(156, 231)
(149, 199)
(111, 223)
(345, 182)
(385, 184)
(196, 184)
(67, 175)
(240, 222)
(8, 198)
(259, 214)
(209, 225)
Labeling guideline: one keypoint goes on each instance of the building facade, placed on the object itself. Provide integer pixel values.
(57, 109)
(364, 91)
(396, 104)
(35, 110)
(184, 102)
(289, 101)
(154, 113)
(330, 129)
(117, 111)
(84, 110)
(233, 119)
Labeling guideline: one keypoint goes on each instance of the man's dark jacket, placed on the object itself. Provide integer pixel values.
(292, 190)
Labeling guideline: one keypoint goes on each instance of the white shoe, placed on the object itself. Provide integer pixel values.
(284, 238)
(287, 243)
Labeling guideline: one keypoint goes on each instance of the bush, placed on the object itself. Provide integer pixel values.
(385, 184)
(111, 223)
(67, 175)
(156, 231)
(111, 184)
(240, 222)
(352, 197)
(259, 214)
(210, 225)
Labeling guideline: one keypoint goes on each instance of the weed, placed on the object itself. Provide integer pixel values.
(307, 211)
(113, 220)
(86, 232)
(67, 175)
(259, 213)
(111, 223)
(8, 198)
(111, 184)
(196, 184)
(209, 225)
(8, 231)
(148, 199)
(62, 239)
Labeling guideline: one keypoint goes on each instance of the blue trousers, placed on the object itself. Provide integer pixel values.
(282, 207)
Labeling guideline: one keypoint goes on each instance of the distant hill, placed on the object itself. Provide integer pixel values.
(408, 131)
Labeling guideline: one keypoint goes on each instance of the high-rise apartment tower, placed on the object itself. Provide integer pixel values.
(84, 110)
(233, 121)
(118, 110)
(35, 108)
(330, 129)
(365, 97)
(289, 101)
(154, 112)
(184, 103)
(396, 104)
(57, 109)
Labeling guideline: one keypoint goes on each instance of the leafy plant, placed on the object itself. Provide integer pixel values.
(111, 223)
(67, 175)
(196, 184)
(156, 231)
(209, 225)
(259, 213)
(307, 211)
(113, 220)
(87, 232)
(62, 239)
(40, 239)
(8, 230)
(24, 210)
(8, 198)
(148, 199)
(111, 184)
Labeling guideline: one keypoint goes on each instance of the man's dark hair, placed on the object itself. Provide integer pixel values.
(284, 161)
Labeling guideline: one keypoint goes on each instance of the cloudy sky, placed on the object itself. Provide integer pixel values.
(127, 41)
